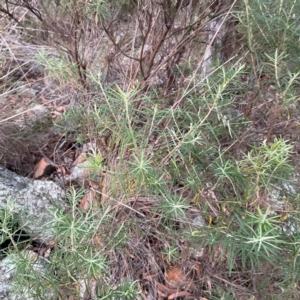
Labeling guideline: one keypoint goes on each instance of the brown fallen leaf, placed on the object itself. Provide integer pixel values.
(44, 167)
(94, 185)
(175, 278)
(87, 200)
(79, 159)
(97, 240)
(61, 108)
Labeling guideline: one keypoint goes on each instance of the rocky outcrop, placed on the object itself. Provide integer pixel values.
(8, 266)
(31, 201)
(6, 277)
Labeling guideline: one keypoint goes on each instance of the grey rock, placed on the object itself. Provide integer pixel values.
(80, 172)
(26, 92)
(7, 273)
(199, 222)
(31, 201)
(6, 277)
(37, 112)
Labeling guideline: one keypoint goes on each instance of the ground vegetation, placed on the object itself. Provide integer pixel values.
(185, 114)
